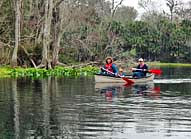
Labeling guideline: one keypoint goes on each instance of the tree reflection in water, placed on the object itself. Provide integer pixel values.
(64, 108)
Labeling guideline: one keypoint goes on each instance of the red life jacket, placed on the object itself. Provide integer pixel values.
(109, 67)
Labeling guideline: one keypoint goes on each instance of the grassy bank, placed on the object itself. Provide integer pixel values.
(158, 64)
(40, 73)
(63, 71)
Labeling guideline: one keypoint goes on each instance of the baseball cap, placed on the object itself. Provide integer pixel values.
(140, 60)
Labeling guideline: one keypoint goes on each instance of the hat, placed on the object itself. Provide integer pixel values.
(140, 60)
(109, 58)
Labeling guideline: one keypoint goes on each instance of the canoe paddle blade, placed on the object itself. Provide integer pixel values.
(129, 81)
(156, 71)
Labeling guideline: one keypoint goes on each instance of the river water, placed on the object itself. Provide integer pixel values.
(67, 108)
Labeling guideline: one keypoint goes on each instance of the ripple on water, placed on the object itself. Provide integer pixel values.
(172, 81)
(77, 112)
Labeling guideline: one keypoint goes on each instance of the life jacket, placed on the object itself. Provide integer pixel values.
(109, 67)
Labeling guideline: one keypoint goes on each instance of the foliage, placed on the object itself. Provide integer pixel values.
(5, 72)
(57, 71)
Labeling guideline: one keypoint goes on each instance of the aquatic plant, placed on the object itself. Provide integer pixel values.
(40, 73)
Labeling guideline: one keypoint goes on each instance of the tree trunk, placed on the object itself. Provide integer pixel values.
(17, 32)
(57, 34)
(56, 50)
(46, 34)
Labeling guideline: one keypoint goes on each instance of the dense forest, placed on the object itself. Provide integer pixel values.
(46, 33)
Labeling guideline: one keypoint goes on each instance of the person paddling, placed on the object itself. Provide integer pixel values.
(109, 66)
(141, 70)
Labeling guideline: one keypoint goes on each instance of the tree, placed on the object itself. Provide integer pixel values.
(184, 11)
(172, 4)
(7, 29)
(125, 13)
(149, 6)
(17, 31)
(151, 9)
(58, 31)
(114, 6)
(46, 34)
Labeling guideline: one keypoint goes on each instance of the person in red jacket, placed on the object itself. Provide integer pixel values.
(109, 68)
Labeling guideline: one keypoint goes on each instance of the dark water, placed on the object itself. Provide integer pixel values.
(58, 108)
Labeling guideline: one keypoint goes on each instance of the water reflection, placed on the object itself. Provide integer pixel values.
(111, 91)
(149, 89)
(80, 109)
(123, 90)
(176, 72)
(16, 108)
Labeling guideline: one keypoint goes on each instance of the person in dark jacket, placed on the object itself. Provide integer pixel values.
(110, 67)
(141, 70)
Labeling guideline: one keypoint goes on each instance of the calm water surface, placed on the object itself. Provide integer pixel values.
(63, 108)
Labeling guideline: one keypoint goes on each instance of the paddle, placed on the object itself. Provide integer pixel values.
(154, 71)
(124, 78)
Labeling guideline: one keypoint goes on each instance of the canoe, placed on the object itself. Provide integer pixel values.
(146, 87)
(109, 79)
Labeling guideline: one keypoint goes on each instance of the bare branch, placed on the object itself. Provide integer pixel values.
(57, 4)
(6, 44)
(114, 8)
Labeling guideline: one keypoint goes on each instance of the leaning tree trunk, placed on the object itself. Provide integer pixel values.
(46, 34)
(17, 32)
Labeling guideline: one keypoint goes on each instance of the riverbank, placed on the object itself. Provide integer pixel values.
(158, 64)
(6, 71)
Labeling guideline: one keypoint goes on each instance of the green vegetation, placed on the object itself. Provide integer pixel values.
(169, 64)
(66, 71)
(5, 72)
(39, 73)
